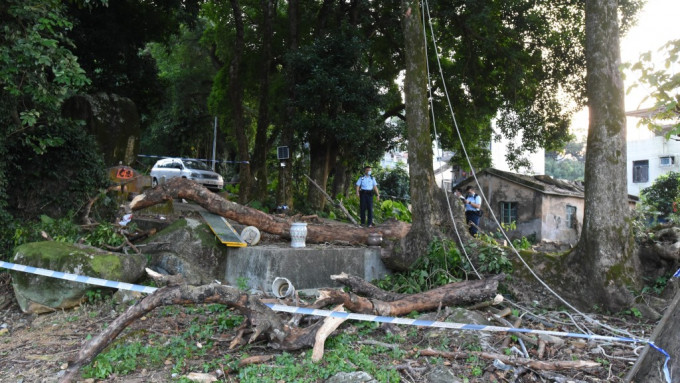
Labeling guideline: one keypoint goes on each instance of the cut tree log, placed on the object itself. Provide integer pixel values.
(453, 294)
(177, 188)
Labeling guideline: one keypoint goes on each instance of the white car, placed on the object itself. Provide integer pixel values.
(195, 170)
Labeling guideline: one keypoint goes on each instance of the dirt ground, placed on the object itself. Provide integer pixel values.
(38, 348)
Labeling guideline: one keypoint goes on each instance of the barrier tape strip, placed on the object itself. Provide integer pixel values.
(345, 315)
(77, 278)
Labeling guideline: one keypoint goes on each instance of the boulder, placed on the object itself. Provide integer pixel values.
(189, 248)
(113, 121)
(38, 294)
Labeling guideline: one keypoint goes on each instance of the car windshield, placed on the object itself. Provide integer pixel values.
(198, 165)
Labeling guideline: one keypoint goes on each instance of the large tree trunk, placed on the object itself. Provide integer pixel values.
(605, 252)
(423, 187)
(284, 195)
(316, 233)
(236, 101)
(262, 143)
(340, 178)
(321, 153)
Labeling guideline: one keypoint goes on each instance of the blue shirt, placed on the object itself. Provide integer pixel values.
(366, 183)
(474, 199)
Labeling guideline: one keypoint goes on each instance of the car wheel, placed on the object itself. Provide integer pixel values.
(154, 182)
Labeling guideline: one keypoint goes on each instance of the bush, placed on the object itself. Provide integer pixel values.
(664, 194)
(442, 265)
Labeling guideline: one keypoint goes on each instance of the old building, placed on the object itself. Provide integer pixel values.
(544, 208)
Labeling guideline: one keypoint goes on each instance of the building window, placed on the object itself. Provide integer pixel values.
(571, 217)
(667, 161)
(641, 171)
(508, 212)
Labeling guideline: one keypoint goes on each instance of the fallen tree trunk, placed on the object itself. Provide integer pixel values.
(265, 323)
(261, 318)
(453, 294)
(178, 188)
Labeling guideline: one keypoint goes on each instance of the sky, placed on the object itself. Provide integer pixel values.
(657, 24)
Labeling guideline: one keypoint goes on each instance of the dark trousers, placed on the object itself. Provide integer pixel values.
(366, 205)
(472, 216)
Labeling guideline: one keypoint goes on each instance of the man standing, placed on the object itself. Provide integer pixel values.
(366, 185)
(473, 204)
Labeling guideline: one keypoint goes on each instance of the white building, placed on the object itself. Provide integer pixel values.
(649, 155)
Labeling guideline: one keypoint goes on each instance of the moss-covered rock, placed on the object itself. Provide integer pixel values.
(37, 294)
(189, 248)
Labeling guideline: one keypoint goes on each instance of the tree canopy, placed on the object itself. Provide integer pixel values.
(664, 83)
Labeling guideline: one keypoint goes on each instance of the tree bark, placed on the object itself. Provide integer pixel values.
(261, 140)
(284, 195)
(605, 252)
(321, 153)
(236, 101)
(421, 172)
(453, 294)
(316, 233)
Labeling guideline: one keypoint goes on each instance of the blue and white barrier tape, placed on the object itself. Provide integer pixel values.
(77, 278)
(345, 315)
(197, 159)
(450, 325)
(677, 274)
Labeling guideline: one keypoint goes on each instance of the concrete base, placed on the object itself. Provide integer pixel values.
(307, 268)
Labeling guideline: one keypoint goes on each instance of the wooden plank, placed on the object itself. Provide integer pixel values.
(223, 230)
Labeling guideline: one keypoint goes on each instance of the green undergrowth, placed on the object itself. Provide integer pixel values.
(66, 230)
(342, 354)
(442, 265)
(196, 346)
(139, 350)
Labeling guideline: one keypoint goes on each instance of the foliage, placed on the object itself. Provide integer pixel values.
(60, 178)
(442, 265)
(393, 183)
(109, 42)
(394, 209)
(565, 169)
(664, 194)
(182, 125)
(665, 88)
(338, 101)
(516, 62)
(382, 211)
(48, 161)
(65, 230)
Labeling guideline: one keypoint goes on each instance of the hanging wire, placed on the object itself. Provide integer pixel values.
(436, 136)
(426, 9)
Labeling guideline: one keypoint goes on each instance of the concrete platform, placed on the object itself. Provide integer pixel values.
(307, 268)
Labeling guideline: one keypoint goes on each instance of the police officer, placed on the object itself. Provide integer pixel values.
(473, 204)
(366, 186)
